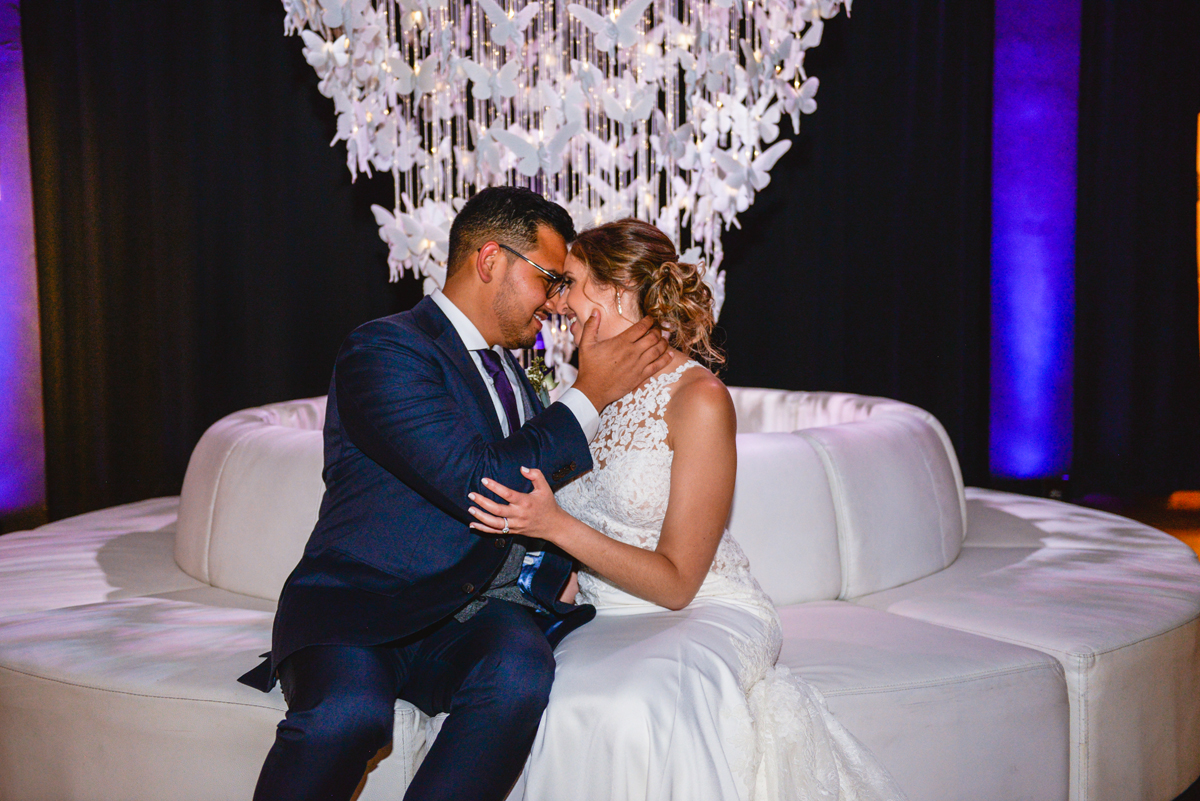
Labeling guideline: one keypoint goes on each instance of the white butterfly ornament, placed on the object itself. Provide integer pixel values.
(634, 107)
(546, 156)
(508, 27)
(621, 29)
(492, 85)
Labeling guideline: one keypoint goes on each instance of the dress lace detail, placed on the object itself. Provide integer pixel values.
(779, 739)
(625, 496)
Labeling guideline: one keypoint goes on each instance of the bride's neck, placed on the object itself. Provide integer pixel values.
(677, 357)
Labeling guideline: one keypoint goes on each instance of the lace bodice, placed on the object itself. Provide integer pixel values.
(625, 495)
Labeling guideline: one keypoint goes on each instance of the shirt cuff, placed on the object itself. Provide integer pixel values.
(584, 411)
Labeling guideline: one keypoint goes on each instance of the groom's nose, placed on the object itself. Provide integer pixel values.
(557, 304)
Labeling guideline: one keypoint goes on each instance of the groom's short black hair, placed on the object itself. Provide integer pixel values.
(505, 214)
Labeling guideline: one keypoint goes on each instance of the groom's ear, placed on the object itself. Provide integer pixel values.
(487, 262)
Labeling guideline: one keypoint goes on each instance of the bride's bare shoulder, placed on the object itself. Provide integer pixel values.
(700, 402)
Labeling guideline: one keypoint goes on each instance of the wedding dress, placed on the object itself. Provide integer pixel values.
(654, 704)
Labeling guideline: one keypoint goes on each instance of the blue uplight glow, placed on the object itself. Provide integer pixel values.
(22, 453)
(1035, 98)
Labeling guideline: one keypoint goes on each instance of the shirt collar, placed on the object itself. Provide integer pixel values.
(466, 329)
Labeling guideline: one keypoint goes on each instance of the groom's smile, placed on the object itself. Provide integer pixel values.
(521, 302)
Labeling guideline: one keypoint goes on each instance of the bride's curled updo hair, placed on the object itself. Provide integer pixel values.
(640, 258)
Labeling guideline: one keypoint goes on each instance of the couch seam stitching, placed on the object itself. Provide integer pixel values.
(213, 502)
(1054, 667)
(839, 511)
(1043, 648)
(1084, 763)
(133, 694)
(937, 499)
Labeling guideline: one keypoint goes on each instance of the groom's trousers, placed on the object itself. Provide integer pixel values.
(492, 673)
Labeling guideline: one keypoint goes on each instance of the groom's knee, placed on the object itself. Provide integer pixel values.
(527, 674)
(342, 724)
(514, 672)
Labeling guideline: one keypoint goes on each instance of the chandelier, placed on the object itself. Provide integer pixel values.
(665, 110)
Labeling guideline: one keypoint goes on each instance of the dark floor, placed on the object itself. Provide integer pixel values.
(1178, 515)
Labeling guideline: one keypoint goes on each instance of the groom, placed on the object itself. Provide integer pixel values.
(395, 597)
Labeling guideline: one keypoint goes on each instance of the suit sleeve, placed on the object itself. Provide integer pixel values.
(396, 407)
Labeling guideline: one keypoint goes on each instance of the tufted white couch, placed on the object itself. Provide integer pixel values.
(983, 645)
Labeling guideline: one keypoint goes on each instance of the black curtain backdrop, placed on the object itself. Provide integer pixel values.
(201, 248)
(864, 265)
(1137, 350)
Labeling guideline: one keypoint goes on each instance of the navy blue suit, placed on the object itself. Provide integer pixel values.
(410, 429)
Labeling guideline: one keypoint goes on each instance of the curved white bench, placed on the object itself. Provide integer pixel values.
(984, 645)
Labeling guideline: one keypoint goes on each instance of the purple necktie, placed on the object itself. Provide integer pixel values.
(508, 401)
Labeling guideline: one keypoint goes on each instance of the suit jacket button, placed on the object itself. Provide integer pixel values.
(500, 542)
(468, 588)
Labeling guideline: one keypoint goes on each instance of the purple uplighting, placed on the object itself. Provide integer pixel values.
(22, 452)
(1034, 122)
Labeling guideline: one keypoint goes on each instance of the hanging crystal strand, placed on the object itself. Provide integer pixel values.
(634, 65)
(576, 43)
(664, 183)
(441, 176)
(614, 159)
(524, 111)
(392, 41)
(482, 120)
(458, 119)
(599, 123)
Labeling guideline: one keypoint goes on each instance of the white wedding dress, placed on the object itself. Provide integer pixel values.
(653, 704)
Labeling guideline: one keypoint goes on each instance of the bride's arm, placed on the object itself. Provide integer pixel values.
(702, 425)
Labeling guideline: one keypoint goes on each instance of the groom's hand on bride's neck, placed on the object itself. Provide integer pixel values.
(610, 368)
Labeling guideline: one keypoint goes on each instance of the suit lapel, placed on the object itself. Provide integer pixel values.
(532, 401)
(433, 321)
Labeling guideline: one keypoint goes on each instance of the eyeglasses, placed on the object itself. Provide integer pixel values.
(556, 283)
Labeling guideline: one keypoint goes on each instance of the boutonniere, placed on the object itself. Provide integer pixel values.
(541, 378)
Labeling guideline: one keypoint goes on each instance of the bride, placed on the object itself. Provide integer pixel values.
(672, 692)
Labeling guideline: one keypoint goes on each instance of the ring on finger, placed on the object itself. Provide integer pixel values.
(505, 529)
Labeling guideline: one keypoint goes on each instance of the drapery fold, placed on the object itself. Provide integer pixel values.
(200, 246)
(1137, 343)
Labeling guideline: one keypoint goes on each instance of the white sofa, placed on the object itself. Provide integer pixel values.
(984, 645)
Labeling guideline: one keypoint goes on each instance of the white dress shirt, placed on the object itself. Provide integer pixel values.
(573, 399)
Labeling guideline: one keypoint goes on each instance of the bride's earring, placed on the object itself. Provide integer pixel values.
(619, 312)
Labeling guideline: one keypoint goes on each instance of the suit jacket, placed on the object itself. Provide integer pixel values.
(410, 429)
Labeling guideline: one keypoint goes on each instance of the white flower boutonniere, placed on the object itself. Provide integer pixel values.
(541, 378)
